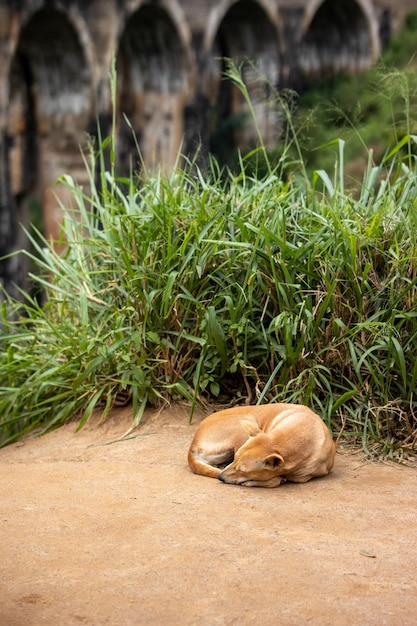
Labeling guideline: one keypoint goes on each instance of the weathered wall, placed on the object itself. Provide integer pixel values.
(56, 57)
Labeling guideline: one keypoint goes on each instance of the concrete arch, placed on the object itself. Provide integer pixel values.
(52, 46)
(338, 37)
(50, 106)
(173, 9)
(217, 14)
(153, 61)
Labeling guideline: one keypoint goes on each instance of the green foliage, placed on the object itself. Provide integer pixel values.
(402, 48)
(193, 287)
(373, 109)
(228, 287)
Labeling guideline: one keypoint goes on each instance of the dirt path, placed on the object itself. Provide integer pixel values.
(125, 534)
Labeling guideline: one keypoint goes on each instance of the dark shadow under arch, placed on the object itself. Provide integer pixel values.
(151, 72)
(246, 36)
(337, 40)
(49, 109)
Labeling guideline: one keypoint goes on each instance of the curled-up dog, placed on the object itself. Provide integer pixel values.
(262, 446)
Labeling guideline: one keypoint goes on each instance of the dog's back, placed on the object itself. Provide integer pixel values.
(301, 437)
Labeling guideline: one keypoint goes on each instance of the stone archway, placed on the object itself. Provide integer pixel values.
(152, 84)
(247, 36)
(338, 37)
(49, 110)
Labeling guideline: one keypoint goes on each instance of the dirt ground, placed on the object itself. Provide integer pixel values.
(123, 533)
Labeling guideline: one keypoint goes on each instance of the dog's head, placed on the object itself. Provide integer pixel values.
(255, 464)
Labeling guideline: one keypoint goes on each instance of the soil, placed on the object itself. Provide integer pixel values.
(97, 531)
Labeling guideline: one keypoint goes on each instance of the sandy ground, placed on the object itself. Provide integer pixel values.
(125, 534)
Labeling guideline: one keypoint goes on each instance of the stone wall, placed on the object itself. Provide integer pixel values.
(56, 57)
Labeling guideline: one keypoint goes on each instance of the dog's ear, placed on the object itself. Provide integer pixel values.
(273, 460)
(250, 428)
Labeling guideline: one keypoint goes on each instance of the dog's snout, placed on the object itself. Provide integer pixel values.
(226, 479)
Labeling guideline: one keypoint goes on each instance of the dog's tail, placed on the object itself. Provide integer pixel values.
(199, 464)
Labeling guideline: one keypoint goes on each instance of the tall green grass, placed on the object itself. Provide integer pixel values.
(228, 288)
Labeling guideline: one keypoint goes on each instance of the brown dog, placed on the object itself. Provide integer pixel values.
(262, 446)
